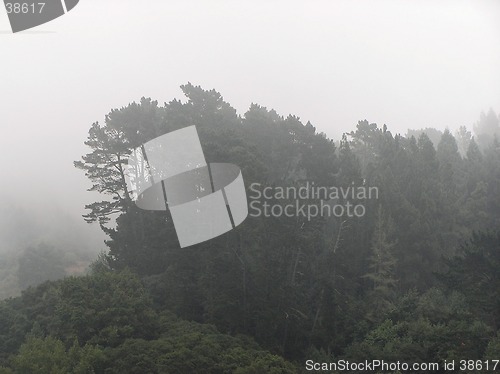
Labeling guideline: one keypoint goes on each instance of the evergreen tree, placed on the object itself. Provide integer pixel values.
(382, 267)
(463, 138)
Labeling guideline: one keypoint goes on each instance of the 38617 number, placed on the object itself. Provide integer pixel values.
(24, 8)
(473, 365)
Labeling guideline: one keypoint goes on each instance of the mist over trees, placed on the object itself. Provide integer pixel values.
(487, 128)
(415, 279)
(39, 243)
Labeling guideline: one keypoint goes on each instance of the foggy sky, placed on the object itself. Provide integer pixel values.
(408, 64)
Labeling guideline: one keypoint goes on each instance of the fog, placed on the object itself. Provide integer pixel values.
(404, 64)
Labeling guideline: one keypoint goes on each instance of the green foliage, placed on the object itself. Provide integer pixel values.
(493, 349)
(432, 327)
(191, 348)
(105, 308)
(382, 267)
(49, 356)
(110, 313)
(476, 273)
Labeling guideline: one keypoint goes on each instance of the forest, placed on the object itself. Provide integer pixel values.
(416, 278)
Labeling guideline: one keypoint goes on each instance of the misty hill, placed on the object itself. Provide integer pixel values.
(39, 243)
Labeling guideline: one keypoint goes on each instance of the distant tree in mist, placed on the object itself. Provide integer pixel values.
(433, 134)
(39, 264)
(18, 226)
(463, 138)
(487, 128)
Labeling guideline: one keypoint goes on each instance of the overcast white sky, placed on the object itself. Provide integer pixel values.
(408, 64)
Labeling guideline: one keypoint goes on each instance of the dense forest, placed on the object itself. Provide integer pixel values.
(415, 279)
